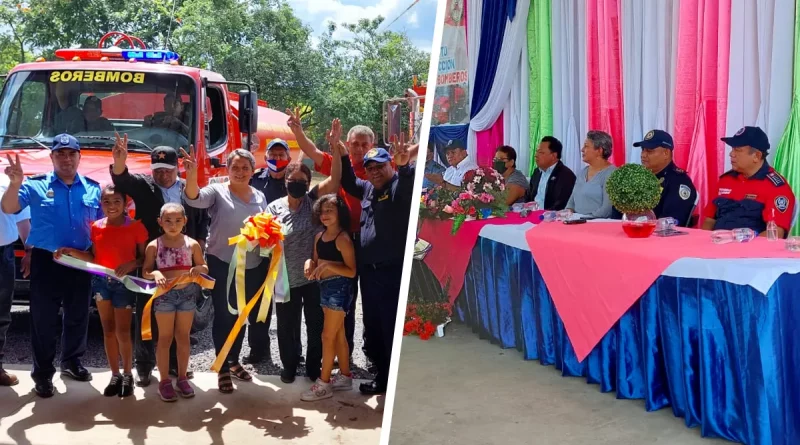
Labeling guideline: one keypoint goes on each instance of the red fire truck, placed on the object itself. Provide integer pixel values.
(122, 86)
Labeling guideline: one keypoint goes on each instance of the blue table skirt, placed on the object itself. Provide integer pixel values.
(723, 356)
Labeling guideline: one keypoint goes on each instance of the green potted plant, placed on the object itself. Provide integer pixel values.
(635, 191)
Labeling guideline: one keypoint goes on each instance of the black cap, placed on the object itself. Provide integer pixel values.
(655, 139)
(455, 143)
(163, 157)
(749, 137)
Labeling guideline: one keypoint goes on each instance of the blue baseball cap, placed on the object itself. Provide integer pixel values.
(65, 141)
(278, 142)
(377, 155)
(454, 144)
(749, 137)
(655, 139)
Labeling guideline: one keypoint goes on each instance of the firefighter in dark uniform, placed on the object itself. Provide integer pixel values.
(678, 194)
(272, 182)
(752, 193)
(63, 206)
(385, 202)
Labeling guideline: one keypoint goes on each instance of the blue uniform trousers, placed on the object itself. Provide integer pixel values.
(54, 286)
(380, 292)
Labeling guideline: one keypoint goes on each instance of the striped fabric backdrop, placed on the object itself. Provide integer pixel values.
(699, 69)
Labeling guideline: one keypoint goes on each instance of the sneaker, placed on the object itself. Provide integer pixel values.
(126, 389)
(76, 371)
(318, 391)
(184, 388)
(166, 391)
(114, 386)
(341, 382)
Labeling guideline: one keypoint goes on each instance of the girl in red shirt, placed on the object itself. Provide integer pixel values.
(118, 243)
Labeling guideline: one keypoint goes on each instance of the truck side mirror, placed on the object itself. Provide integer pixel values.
(248, 111)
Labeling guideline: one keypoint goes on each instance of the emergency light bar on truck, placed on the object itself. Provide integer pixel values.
(117, 55)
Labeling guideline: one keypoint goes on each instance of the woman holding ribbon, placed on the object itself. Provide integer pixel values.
(295, 214)
(228, 205)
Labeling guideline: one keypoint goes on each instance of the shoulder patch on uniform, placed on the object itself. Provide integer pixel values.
(775, 179)
(781, 203)
(685, 192)
(37, 177)
(679, 170)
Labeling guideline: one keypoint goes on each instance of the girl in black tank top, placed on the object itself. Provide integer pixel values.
(334, 267)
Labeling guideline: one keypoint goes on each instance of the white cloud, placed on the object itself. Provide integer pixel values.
(417, 22)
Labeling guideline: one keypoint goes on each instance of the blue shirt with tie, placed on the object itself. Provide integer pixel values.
(61, 215)
(540, 191)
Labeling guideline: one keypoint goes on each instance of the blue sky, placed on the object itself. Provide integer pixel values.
(417, 23)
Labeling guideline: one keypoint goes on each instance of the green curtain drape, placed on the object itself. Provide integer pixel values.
(541, 78)
(787, 156)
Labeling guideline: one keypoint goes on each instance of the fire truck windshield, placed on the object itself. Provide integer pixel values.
(151, 108)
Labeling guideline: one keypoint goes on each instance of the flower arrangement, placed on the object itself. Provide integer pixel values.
(633, 189)
(483, 194)
(422, 318)
(433, 202)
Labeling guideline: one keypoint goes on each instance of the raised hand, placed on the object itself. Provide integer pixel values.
(294, 122)
(400, 150)
(335, 137)
(14, 171)
(120, 150)
(189, 161)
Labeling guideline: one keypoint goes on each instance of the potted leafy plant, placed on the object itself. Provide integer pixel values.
(635, 191)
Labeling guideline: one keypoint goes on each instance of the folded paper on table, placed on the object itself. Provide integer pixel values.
(594, 272)
(449, 255)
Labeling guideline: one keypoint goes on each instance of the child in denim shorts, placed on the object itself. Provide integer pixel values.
(117, 243)
(333, 266)
(167, 258)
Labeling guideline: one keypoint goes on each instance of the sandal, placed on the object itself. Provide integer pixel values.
(225, 383)
(240, 373)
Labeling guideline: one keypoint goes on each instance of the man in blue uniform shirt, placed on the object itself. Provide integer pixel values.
(63, 205)
(385, 206)
(678, 194)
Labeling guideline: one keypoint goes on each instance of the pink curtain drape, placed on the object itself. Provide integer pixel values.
(488, 141)
(701, 96)
(604, 70)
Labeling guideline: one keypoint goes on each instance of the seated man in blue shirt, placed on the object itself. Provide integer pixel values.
(431, 166)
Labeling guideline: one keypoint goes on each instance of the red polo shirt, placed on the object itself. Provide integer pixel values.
(354, 204)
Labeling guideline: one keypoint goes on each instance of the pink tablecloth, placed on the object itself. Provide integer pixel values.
(595, 273)
(449, 255)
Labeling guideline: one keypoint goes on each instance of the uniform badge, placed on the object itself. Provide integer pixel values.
(661, 180)
(740, 132)
(781, 203)
(384, 197)
(65, 139)
(649, 135)
(685, 192)
(724, 191)
(50, 193)
(552, 178)
(373, 152)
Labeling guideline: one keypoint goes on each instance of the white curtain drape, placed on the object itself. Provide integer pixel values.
(570, 96)
(513, 39)
(649, 55)
(760, 83)
(516, 114)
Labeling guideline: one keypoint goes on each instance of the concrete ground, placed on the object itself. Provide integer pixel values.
(265, 409)
(463, 390)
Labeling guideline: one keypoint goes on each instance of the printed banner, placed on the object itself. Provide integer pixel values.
(451, 105)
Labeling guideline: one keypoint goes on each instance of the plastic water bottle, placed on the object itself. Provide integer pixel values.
(548, 216)
(772, 228)
(744, 235)
(729, 236)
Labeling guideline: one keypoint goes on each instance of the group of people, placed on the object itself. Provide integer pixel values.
(750, 195)
(346, 232)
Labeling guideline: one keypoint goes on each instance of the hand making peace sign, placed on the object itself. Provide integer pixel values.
(400, 150)
(294, 122)
(120, 150)
(189, 162)
(14, 171)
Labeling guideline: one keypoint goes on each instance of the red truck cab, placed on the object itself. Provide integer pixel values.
(146, 94)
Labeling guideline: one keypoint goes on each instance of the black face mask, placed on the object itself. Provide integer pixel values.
(297, 189)
(500, 166)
